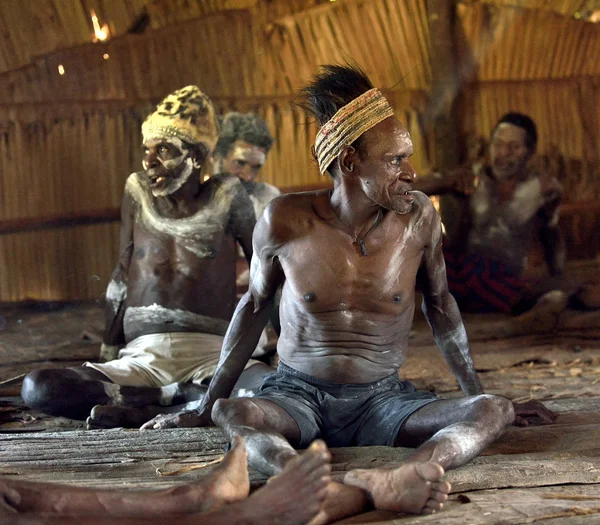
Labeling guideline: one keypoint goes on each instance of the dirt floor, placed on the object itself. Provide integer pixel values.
(539, 474)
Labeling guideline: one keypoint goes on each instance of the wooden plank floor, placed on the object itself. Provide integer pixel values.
(548, 475)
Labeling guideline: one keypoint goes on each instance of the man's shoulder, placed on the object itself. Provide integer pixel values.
(136, 187)
(299, 201)
(288, 211)
(224, 180)
(422, 205)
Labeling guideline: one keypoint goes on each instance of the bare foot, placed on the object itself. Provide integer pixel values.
(543, 317)
(341, 502)
(109, 416)
(295, 496)
(229, 481)
(413, 487)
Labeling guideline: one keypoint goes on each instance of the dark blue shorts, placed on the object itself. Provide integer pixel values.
(344, 415)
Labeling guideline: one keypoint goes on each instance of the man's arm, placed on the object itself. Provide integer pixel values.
(442, 312)
(550, 235)
(460, 181)
(242, 219)
(444, 317)
(249, 319)
(116, 292)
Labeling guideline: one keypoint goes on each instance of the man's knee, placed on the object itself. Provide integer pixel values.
(495, 409)
(39, 388)
(240, 410)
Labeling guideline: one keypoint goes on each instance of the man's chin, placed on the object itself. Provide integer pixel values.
(402, 205)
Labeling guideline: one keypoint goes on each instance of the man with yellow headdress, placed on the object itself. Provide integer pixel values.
(348, 260)
(172, 293)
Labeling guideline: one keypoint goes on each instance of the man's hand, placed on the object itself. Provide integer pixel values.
(184, 419)
(109, 352)
(463, 180)
(532, 409)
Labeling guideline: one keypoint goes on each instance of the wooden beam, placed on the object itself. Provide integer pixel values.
(66, 220)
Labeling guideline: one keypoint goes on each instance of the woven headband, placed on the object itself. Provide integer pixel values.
(348, 124)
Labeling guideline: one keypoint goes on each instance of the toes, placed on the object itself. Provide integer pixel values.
(441, 487)
(433, 505)
(430, 471)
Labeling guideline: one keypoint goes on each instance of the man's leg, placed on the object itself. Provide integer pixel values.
(293, 498)
(73, 392)
(109, 416)
(228, 482)
(450, 433)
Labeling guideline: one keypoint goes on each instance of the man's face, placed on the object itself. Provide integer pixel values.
(383, 168)
(167, 163)
(244, 160)
(508, 151)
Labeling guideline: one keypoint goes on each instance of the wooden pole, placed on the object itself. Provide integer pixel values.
(441, 119)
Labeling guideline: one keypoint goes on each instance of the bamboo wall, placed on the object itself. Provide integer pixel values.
(67, 143)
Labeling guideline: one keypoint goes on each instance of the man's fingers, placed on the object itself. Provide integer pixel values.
(521, 422)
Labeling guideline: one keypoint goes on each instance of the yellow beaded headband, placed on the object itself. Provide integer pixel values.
(187, 114)
(348, 124)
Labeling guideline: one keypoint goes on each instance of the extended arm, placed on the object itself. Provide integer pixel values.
(552, 239)
(242, 219)
(442, 312)
(116, 292)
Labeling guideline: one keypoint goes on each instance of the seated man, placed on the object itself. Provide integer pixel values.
(242, 149)
(219, 498)
(348, 260)
(173, 291)
(509, 206)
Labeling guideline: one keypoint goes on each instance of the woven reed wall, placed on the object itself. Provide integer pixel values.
(67, 143)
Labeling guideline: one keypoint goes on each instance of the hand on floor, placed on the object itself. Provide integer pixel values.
(533, 409)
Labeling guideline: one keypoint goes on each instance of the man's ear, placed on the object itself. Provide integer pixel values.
(347, 160)
(199, 155)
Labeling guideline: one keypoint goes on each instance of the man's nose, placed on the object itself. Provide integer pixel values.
(151, 160)
(408, 173)
(247, 173)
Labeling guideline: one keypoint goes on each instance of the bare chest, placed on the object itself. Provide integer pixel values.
(326, 271)
(157, 254)
(514, 210)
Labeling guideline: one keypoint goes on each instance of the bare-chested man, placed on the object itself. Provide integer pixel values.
(509, 206)
(219, 498)
(173, 291)
(348, 261)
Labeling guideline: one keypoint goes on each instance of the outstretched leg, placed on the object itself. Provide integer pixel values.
(73, 392)
(292, 498)
(226, 483)
(450, 433)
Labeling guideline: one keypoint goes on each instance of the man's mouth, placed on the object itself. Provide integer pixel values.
(156, 179)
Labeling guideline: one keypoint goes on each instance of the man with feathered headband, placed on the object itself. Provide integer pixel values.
(348, 259)
(172, 293)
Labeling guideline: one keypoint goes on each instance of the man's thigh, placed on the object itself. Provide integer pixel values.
(428, 420)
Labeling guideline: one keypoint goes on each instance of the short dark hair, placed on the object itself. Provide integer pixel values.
(332, 88)
(524, 122)
(243, 126)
